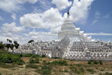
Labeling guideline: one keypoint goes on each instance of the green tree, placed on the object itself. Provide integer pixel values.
(16, 44)
(30, 41)
(8, 40)
(1, 42)
(9, 45)
(2, 46)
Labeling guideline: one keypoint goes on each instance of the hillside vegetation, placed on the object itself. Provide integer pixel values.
(27, 64)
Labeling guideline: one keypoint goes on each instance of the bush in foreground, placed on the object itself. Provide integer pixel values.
(43, 55)
(100, 62)
(46, 70)
(31, 66)
(10, 58)
(89, 62)
(31, 61)
(95, 62)
(59, 62)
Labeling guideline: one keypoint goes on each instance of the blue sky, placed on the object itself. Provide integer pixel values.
(23, 20)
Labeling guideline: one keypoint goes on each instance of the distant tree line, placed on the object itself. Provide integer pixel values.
(2, 45)
(10, 44)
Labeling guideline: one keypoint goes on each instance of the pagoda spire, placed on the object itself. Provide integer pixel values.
(68, 14)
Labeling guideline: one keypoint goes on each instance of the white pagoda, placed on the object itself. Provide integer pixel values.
(72, 32)
(72, 44)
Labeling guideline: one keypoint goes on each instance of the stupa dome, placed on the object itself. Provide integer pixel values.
(68, 25)
(68, 29)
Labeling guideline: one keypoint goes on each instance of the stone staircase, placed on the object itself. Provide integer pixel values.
(68, 49)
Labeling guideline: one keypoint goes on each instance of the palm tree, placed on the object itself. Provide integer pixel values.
(7, 40)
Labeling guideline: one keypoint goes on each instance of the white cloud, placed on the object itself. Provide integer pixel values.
(13, 16)
(32, 20)
(97, 14)
(48, 19)
(9, 5)
(13, 5)
(12, 28)
(107, 16)
(51, 19)
(21, 39)
(79, 10)
(94, 22)
(106, 34)
(1, 18)
(30, 1)
(42, 2)
(44, 36)
(62, 4)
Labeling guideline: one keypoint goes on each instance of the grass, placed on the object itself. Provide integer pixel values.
(45, 70)
(60, 62)
(102, 69)
(78, 65)
(106, 73)
(60, 70)
(65, 70)
(4, 65)
(50, 66)
(90, 70)
(77, 70)
(31, 66)
(95, 62)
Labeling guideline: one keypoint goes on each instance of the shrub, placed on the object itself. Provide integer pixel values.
(44, 62)
(89, 62)
(21, 55)
(100, 62)
(36, 60)
(60, 70)
(75, 70)
(11, 58)
(3, 65)
(95, 62)
(81, 69)
(65, 70)
(43, 55)
(102, 69)
(31, 66)
(0, 74)
(31, 61)
(35, 56)
(48, 63)
(108, 73)
(19, 63)
(27, 55)
(59, 62)
(2, 46)
(46, 70)
(78, 65)
(90, 70)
